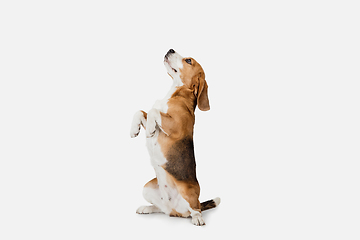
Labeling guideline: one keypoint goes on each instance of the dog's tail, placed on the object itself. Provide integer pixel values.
(210, 204)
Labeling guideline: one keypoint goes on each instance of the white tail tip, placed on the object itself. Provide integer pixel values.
(217, 201)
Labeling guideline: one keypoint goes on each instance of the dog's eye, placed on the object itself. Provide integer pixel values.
(188, 61)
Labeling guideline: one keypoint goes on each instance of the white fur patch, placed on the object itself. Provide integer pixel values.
(217, 201)
(173, 64)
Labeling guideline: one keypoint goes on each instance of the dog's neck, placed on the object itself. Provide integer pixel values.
(176, 84)
(187, 96)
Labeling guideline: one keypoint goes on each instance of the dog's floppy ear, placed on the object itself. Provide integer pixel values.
(202, 96)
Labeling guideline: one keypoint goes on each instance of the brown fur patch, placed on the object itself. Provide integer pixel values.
(179, 121)
(193, 77)
(188, 72)
(174, 213)
(145, 116)
(152, 183)
(190, 191)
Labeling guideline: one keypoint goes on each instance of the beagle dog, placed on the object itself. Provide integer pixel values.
(169, 129)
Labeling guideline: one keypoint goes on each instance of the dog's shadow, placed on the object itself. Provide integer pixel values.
(161, 217)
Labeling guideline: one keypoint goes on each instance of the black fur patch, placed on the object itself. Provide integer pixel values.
(181, 160)
(207, 205)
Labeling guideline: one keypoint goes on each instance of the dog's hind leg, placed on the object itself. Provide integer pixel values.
(151, 194)
(190, 193)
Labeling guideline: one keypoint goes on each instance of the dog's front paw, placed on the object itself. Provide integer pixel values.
(135, 125)
(152, 121)
(135, 130)
(150, 129)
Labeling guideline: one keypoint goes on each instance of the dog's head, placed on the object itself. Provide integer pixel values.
(189, 73)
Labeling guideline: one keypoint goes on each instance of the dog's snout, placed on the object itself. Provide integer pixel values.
(171, 51)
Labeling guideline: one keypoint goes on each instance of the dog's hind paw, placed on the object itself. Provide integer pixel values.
(198, 220)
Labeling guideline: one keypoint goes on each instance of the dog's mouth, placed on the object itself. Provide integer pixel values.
(168, 62)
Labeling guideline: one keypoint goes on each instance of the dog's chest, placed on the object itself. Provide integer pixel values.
(161, 105)
(170, 198)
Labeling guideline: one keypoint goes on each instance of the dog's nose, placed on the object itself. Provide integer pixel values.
(171, 51)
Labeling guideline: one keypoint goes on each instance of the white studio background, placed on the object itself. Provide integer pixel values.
(280, 144)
